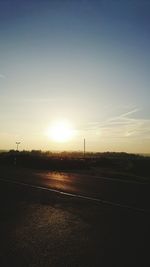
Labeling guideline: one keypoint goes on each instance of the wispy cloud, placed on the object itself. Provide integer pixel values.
(125, 125)
(124, 115)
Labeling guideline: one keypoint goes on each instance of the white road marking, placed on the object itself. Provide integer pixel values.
(76, 195)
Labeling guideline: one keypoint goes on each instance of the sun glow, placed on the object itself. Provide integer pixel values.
(61, 131)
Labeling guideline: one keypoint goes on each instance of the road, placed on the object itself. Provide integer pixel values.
(39, 228)
(111, 191)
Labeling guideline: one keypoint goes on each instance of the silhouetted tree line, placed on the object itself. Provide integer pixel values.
(38, 159)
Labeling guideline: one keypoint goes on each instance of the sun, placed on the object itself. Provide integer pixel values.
(61, 131)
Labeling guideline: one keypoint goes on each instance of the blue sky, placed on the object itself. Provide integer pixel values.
(87, 61)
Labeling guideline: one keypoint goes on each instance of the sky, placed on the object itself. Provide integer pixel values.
(84, 61)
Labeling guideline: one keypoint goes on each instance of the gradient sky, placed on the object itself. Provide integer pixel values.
(85, 61)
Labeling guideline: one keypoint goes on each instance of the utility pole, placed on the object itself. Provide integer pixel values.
(84, 148)
(17, 144)
(15, 158)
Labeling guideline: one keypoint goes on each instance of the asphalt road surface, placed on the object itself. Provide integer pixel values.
(40, 228)
(125, 193)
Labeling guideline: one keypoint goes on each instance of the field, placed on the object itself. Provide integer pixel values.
(108, 164)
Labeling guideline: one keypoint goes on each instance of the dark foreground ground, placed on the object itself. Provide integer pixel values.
(41, 229)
